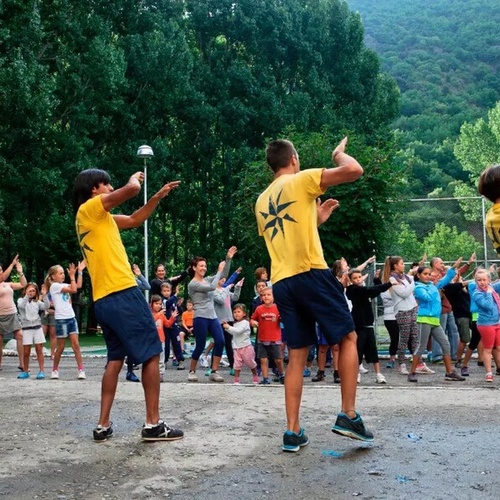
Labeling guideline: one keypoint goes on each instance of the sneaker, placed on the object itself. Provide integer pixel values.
(160, 432)
(352, 428)
(192, 377)
(102, 434)
(336, 377)
(358, 380)
(307, 372)
(423, 368)
(497, 371)
(320, 376)
(458, 364)
(380, 379)
(362, 369)
(255, 379)
(216, 377)
(265, 381)
(224, 363)
(181, 365)
(480, 363)
(204, 362)
(55, 374)
(402, 369)
(464, 371)
(293, 442)
(412, 377)
(175, 362)
(390, 364)
(488, 378)
(437, 361)
(40, 376)
(236, 380)
(24, 375)
(231, 372)
(162, 378)
(454, 377)
(282, 379)
(132, 377)
(208, 372)
(81, 375)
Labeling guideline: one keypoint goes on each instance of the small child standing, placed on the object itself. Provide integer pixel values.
(362, 314)
(30, 305)
(170, 304)
(267, 319)
(162, 323)
(243, 350)
(187, 319)
(66, 325)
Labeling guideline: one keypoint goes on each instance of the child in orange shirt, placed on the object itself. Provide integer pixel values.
(267, 319)
(187, 320)
(160, 322)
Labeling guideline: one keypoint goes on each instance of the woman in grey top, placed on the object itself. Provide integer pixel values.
(201, 291)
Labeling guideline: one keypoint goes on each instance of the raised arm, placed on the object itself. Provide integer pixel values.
(347, 170)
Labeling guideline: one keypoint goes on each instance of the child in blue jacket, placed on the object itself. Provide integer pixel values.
(427, 293)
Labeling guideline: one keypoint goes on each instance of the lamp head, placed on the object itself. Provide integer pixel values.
(145, 151)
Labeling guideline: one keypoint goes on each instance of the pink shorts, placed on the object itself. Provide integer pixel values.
(244, 356)
(490, 335)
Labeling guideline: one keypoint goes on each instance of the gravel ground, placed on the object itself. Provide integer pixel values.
(433, 440)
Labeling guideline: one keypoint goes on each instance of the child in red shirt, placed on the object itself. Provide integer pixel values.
(267, 319)
(161, 321)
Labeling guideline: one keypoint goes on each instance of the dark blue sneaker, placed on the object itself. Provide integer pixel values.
(352, 428)
(265, 381)
(132, 377)
(293, 442)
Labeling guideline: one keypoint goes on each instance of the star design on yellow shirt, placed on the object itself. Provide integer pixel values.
(276, 214)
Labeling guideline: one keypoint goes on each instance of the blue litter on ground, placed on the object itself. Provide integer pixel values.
(331, 453)
(404, 479)
(414, 437)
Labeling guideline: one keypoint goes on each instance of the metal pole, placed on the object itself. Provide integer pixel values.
(146, 256)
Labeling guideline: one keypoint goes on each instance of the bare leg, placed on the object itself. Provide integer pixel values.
(264, 366)
(18, 335)
(192, 365)
(447, 363)
(294, 381)
(39, 356)
(348, 370)
(151, 386)
(487, 359)
(279, 365)
(108, 389)
(26, 357)
(215, 363)
(1, 349)
(57, 355)
(75, 345)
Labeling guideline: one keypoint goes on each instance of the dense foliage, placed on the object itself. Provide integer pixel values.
(205, 83)
(445, 57)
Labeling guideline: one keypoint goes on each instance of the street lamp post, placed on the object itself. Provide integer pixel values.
(145, 152)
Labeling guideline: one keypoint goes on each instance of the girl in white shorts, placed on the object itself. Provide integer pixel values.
(30, 305)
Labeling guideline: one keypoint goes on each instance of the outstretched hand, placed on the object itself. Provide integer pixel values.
(169, 186)
(340, 148)
(325, 209)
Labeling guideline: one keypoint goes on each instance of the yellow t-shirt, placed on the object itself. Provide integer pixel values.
(287, 219)
(103, 249)
(493, 226)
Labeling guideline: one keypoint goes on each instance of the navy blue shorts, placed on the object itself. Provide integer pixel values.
(128, 326)
(305, 299)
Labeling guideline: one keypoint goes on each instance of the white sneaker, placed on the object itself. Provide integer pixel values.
(192, 377)
(362, 369)
(216, 377)
(224, 363)
(81, 375)
(402, 369)
(204, 362)
(55, 374)
(359, 378)
(380, 379)
(423, 368)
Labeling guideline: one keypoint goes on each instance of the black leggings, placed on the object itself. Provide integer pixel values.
(393, 329)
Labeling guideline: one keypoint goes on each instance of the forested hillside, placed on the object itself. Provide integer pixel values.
(445, 57)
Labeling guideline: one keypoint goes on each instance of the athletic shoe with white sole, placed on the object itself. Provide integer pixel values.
(294, 442)
(402, 369)
(192, 377)
(423, 368)
(362, 369)
(102, 434)
(160, 432)
(353, 428)
(380, 379)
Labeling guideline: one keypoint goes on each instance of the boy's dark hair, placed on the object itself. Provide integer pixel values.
(155, 298)
(194, 263)
(278, 154)
(261, 281)
(489, 183)
(85, 182)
